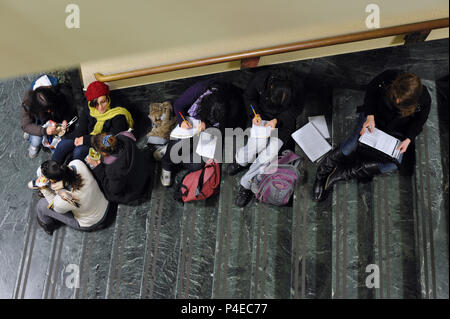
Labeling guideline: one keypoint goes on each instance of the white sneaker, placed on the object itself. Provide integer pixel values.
(33, 151)
(166, 178)
(26, 136)
(160, 151)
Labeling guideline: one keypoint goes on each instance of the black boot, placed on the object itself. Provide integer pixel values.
(48, 228)
(359, 170)
(243, 197)
(324, 169)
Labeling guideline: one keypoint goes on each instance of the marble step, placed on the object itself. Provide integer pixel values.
(311, 221)
(197, 238)
(431, 206)
(252, 246)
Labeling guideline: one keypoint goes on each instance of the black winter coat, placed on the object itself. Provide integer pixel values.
(386, 115)
(256, 94)
(86, 125)
(129, 177)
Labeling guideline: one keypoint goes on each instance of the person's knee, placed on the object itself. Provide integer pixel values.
(41, 207)
(35, 140)
(387, 167)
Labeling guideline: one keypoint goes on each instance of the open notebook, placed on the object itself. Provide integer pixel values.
(179, 132)
(382, 141)
(260, 131)
(311, 141)
(206, 146)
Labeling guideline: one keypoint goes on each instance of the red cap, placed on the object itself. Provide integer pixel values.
(96, 89)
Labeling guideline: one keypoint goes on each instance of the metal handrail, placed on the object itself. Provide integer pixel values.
(298, 46)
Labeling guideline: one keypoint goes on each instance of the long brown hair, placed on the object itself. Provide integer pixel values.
(407, 88)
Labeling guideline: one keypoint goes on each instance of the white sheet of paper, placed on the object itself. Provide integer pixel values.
(42, 81)
(321, 125)
(179, 132)
(206, 146)
(311, 142)
(260, 131)
(382, 142)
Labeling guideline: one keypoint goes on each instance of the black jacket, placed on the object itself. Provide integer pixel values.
(128, 178)
(386, 115)
(86, 125)
(256, 94)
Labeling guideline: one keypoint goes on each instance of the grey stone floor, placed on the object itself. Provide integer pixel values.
(212, 249)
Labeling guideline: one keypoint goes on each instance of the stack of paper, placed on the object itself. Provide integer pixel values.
(179, 132)
(320, 124)
(260, 131)
(206, 146)
(382, 142)
(311, 141)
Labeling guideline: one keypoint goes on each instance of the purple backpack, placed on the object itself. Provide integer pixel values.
(277, 184)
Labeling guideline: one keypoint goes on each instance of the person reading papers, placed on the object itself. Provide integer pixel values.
(396, 103)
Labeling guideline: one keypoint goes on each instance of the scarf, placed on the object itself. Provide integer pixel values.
(109, 114)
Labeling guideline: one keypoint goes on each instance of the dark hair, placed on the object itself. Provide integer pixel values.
(280, 92)
(99, 146)
(212, 109)
(59, 172)
(407, 88)
(94, 102)
(44, 99)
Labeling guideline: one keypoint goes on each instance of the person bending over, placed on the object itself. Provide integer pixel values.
(397, 103)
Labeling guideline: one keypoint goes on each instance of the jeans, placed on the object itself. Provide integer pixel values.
(35, 140)
(47, 216)
(350, 145)
(65, 146)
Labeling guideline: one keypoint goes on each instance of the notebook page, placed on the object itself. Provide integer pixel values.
(311, 142)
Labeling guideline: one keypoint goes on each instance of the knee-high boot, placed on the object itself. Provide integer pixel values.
(363, 170)
(324, 169)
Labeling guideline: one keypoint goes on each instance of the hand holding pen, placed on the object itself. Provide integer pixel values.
(185, 124)
(257, 119)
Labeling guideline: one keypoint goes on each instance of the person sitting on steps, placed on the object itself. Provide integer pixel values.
(277, 98)
(399, 105)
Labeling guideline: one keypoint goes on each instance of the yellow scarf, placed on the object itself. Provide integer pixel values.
(109, 114)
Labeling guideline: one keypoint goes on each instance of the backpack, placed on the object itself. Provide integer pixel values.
(277, 184)
(200, 184)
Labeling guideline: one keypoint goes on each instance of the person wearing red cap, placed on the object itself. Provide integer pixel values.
(97, 118)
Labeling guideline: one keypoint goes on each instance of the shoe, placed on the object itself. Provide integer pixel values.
(26, 136)
(324, 169)
(32, 185)
(33, 151)
(359, 170)
(48, 228)
(235, 168)
(243, 197)
(159, 152)
(166, 178)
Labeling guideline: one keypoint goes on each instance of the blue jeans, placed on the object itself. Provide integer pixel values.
(65, 146)
(350, 145)
(35, 140)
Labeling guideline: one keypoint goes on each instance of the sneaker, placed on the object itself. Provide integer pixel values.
(159, 152)
(33, 151)
(243, 197)
(166, 178)
(48, 228)
(235, 168)
(26, 136)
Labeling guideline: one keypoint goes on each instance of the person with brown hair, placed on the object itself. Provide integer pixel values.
(399, 104)
(72, 197)
(124, 172)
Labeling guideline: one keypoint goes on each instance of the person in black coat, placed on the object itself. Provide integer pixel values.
(276, 97)
(99, 116)
(397, 103)
(124, 172)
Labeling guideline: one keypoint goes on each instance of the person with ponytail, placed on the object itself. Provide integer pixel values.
(124, 172)
(72, 197)
(397, 103)
(99, 117)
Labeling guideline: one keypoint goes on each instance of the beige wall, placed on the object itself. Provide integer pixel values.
(117, 36)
